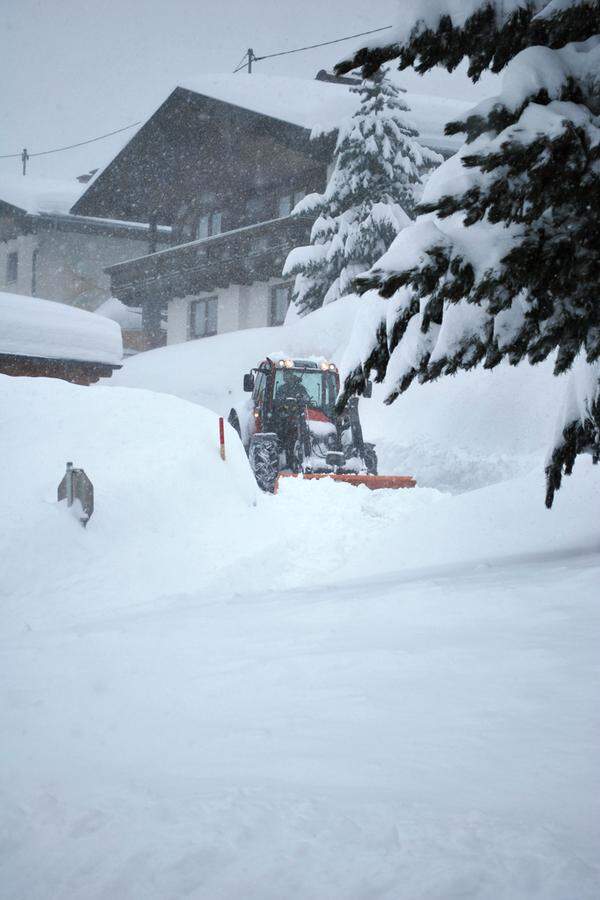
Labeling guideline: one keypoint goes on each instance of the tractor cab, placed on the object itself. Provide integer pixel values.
(281, 388)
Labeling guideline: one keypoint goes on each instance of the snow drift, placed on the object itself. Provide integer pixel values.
(160, 488)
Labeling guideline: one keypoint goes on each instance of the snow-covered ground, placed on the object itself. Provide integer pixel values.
(329, 693)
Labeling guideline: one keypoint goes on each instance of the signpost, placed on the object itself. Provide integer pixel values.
(76, 488)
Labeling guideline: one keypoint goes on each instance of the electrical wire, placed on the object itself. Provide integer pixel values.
(240, 66)
(348, 37)
(322, 44)
(241, 63)
(71, 146)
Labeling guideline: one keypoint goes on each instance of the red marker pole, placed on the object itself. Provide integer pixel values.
(222, 438)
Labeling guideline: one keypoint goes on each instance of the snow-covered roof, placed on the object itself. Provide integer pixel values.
(322, 104)
(296, 100)
(39, 195)
(43, 329)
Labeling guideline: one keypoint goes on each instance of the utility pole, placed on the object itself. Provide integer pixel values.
(251, 58)
(24, 158)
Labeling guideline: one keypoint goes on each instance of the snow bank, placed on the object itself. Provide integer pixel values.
(30, 326)
(456, 434)
(160, 490)
(171, 517)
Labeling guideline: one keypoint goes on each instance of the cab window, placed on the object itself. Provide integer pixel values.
(259, 388)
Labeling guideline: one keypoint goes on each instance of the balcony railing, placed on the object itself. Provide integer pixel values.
(251, 253)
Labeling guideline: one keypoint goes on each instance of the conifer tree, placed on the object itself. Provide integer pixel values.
(503, 261)
(377, 168)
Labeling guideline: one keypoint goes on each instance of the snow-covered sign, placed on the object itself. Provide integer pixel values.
(77, 489)
(42, 329)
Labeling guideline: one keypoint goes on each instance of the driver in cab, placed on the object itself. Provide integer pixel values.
(291, 388)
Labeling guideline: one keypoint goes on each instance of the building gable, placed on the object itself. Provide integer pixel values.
(194, 144)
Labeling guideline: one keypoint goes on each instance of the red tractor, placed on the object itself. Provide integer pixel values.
(291, 426)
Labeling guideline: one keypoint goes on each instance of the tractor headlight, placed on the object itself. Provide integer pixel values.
(289, 363)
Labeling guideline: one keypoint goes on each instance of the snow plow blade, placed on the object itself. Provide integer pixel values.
(373, 482)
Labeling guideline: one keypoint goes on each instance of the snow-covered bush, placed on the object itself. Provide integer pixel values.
(377, 169)
(504, 258)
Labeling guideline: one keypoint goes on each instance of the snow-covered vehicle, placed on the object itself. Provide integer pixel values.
(291, 426)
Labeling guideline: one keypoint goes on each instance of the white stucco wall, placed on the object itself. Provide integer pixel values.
(239, 306)
(70, 265)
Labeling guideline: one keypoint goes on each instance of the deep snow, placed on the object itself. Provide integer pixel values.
(468, 431)
(329, 693)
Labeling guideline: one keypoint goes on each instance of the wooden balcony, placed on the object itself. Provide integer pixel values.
(252, 253)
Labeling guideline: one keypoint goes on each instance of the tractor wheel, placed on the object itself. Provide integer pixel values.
(370, 459)
(264, 460)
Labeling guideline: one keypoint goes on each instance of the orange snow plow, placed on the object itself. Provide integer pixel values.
(372, 482)
(293, 429)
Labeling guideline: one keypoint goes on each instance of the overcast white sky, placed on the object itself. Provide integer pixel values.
(73, 69)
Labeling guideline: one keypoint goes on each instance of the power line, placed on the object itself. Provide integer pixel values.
(241, 63)
(323, 43)
(348, 37)
(71, 146)
(247, 59)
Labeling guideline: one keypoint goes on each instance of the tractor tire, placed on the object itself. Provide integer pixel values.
(370, 459)
(264, 460)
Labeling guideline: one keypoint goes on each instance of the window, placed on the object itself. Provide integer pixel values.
(208, 224)
(321, 387)
(12, 267)
(203, 317)
(262, 242)
(34, 259)
(287, 202)
(281, 294)
(259, 208)
(259, 388)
